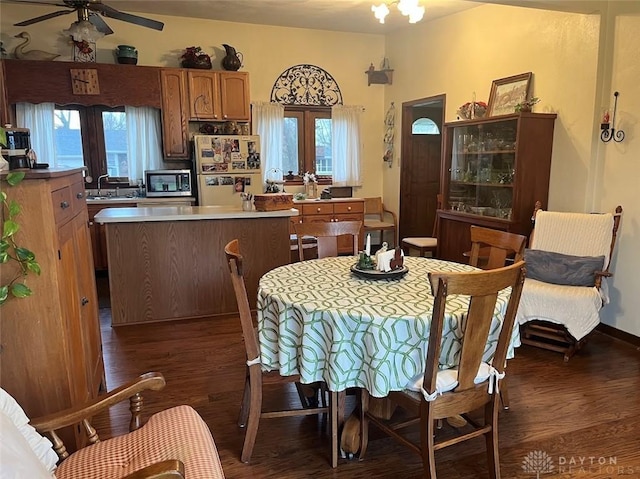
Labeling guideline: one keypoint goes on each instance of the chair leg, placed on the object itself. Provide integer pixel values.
(491, 437)
(427, 441)
(244, 407)
(333, 413)
(364, 422)
(504, 394)
(255, 410)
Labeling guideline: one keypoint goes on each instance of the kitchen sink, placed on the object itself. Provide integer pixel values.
(94, 197)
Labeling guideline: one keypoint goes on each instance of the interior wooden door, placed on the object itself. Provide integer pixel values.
(420, 168)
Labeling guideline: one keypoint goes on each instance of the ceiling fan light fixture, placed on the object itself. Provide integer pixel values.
(380, 11)
(408, 8)
(84, 30)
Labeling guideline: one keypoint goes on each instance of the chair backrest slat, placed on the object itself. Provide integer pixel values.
(234, 259)
(373, 206)
(482, 287)
(498, 244)
(327, 236)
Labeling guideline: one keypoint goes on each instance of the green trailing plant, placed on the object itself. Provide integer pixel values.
(14, 279)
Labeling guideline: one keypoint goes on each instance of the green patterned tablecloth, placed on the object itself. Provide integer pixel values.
(318, 320)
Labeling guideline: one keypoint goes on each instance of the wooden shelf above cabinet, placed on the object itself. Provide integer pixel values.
(380, 76)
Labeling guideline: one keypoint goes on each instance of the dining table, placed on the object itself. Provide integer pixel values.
(322, 321)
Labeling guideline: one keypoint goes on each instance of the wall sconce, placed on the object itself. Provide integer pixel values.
(609, 132)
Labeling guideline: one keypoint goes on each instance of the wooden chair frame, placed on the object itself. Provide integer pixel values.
(424, 244)
(483, 288)
(494, 247)
(553, 336)
(326, 234)
(375, 207)
(251, 407)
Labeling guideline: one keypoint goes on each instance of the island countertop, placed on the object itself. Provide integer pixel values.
(184, 213)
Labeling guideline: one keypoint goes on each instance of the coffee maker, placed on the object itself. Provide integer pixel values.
(16, 149)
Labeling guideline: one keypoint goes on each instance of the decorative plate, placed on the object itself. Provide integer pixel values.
(375, 274)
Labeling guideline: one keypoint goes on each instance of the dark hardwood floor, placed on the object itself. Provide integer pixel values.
(580, 414)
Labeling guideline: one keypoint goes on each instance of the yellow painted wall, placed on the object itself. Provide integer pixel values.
(617, 165)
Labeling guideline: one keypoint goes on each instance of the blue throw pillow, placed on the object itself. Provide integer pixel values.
(562, 269)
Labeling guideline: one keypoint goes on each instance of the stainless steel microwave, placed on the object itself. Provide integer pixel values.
(162, 183)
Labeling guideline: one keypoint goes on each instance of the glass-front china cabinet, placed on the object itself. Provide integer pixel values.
(494, 170)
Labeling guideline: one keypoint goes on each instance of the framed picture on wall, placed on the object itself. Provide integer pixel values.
(506, 93)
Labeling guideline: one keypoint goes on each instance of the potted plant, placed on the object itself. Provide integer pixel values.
(13, 279)
(527, 105)
(194, 57)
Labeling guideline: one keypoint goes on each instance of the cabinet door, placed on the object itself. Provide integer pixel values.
(204, 95)
(174, 113)
(70, 291)
(234, 96)
(89, 322)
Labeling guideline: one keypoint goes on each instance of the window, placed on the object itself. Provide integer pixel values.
(92, 136)
(424, 126)
(307, 141)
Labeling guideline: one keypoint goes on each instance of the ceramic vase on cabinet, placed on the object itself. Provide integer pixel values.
(126, 54)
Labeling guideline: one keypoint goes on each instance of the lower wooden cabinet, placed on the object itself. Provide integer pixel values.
(347, 209)
(51, 350)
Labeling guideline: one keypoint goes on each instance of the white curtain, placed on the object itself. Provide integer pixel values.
(346, 145)
(144, 147)
(268, 122)
(39, 119)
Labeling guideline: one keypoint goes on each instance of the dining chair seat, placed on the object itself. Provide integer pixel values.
(423, 245)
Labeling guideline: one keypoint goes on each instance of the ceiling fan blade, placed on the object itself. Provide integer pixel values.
(35, 2)
(109, 12)
(100, 24)
(42, 18)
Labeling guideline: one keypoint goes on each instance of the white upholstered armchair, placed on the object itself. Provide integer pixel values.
(567, 266)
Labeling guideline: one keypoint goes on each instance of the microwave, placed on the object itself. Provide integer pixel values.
(162, 183)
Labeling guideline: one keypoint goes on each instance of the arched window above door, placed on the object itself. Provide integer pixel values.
(424, 126)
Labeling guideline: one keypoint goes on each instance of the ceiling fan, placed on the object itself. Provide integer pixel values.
(91, 10)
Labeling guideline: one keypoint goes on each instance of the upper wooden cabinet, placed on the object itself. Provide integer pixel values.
(234, 96)
(493, 172)
(218, 96)
(175, 112)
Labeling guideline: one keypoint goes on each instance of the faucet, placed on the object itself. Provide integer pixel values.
(100, 178)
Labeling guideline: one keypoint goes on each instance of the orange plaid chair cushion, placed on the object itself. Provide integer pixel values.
(176, 433)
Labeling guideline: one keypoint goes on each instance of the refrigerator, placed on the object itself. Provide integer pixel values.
(226, 166)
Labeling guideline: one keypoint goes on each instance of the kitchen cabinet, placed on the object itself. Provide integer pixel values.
(199, 96)
(218, 96)
(175, 112)
(51, 351)
(347, 209)
(493, 172)
(97, 231)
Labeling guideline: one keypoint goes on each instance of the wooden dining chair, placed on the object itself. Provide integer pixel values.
(251, 408)
(473, 384)
(490, 249)
(424, 244)
(326, 234)
(378, 218)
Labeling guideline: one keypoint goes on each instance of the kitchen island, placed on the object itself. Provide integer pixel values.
(168, 263)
